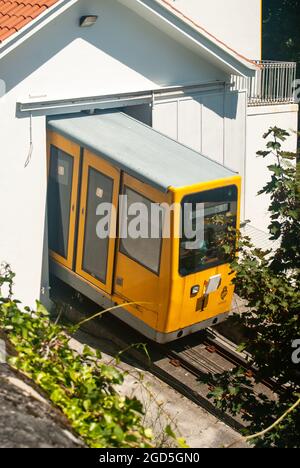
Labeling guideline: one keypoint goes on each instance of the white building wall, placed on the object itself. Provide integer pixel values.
(238, 23)
(260, 119)
(121, 53)
(23, 199)
(213, 123)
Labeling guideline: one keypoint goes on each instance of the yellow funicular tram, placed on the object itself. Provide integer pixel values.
(110, 159)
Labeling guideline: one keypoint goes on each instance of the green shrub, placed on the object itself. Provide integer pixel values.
(81, 385)
(270, 283)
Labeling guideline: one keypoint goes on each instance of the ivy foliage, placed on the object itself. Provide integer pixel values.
(81, 385)
(269, 282)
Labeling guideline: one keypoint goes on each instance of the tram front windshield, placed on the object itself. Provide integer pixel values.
(206, 238)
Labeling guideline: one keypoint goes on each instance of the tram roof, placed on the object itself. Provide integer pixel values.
(138, 149)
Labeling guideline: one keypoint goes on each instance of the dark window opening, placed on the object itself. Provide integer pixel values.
(144, 250)
(59, 200)
(96, 249)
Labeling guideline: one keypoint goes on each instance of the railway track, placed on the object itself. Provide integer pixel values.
(213, 354)
(184, 365)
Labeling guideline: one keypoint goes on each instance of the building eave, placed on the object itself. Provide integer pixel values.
(174, 23)
(165, 17)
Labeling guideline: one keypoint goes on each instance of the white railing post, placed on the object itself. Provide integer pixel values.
(272, 84)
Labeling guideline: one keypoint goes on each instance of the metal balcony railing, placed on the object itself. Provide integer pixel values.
(273, 83)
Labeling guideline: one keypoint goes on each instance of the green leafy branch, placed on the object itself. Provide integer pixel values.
(81, 385)
(269, 282)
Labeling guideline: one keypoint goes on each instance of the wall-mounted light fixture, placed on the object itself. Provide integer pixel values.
(87, 21)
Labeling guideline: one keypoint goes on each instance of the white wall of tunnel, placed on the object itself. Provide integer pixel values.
(213, 123)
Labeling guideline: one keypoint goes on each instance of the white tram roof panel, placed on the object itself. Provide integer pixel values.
(138, 149)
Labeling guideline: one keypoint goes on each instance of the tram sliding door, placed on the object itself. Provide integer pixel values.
(99, 192)
(63, 168)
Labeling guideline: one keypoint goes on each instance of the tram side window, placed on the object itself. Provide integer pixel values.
(141, 233)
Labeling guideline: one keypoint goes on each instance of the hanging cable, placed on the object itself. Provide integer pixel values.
(30, 142)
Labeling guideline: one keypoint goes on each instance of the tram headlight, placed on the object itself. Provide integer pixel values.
(195, 290)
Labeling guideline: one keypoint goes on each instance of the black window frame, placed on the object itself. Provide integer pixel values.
(54, 148)
(220, 262)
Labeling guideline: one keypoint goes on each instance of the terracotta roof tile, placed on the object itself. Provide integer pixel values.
(15, 14)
